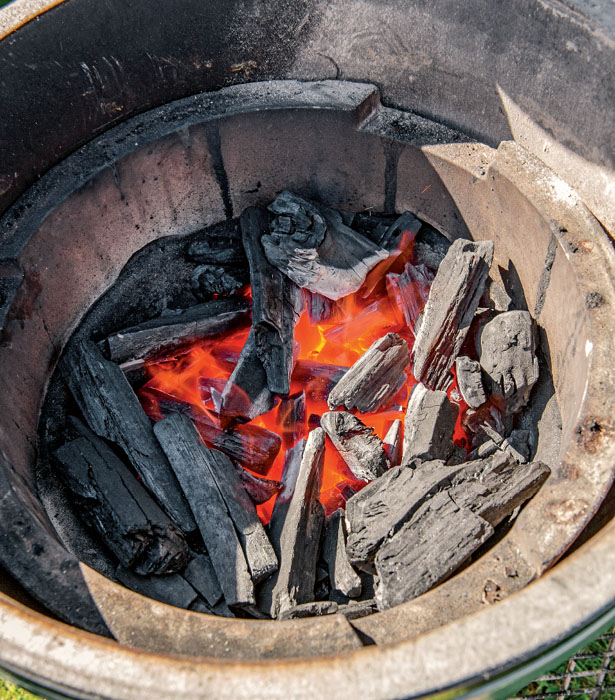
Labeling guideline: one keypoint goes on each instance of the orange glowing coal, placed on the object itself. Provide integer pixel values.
(196, 376)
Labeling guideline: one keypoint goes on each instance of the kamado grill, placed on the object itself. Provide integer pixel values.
(305, 235)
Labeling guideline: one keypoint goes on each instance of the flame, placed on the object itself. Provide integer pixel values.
(195, 377)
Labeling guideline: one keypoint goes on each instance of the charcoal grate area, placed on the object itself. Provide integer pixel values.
(588, 675)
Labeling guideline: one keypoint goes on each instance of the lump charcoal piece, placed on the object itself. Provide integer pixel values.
(172, 589)
(112, 411)
(219, 244)
(319, 253)
(299, 540)
(207, 280)
(342, 576)
(375, 377)
(508, 356)
(427, 549)
(292, 418)
(430, 247)
(113, 502)
(413, 286)
(201, 575)
(390, 237)
(385, 504)
(319, 308)
(429, 426)
(470, 381)
(160, 336)
(452, 302)
(393, 443)
(476, 422)
(362, 451)
(313, 609)
(192, 463)
(259, 489)
(516, 444)
(355, 609)
(246, 395)
(277, 304)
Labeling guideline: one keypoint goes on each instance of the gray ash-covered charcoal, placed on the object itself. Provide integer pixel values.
(507, 352)
(201, 575)
(113, 502)
(112, 411)
(453, 300)
(375, 377)
(516, 444)
(430, 247)
(160, 336)
(342, 577)
(259, 489)
(393, 443)
(413, 286)
(354, 609)
(207, 280)
(187, 455)
(427, 549)
(357, 444)
(277, 303)
(429, 427)
(470, 381)
(316, 608)
(316, 249)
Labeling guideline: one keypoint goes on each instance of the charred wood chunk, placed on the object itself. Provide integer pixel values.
(355, 609)
(362, 451)
(192, 463)
(292, 417)
(172, 589)
(430, 547)
(429, 426)
(375, 377)
(508, 355)
(161, 336)
(246, 394)
(313, 609)
(386, 503)
(516, 444)
(113, 411)
(317, 250)
(115, 504)
(259, 489)
(201, 575)
(470, 381)
(413, 286)
(319, 308)
(430, 247)
(389, 238)
(393, 443)
(453, 300)
(207, 280)
(219, 245)
(300, 535)
(260, 557)
(484, 421)
(342, 576)
(277, 304)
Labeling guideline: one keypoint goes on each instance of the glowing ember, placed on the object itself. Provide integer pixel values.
(193, 379)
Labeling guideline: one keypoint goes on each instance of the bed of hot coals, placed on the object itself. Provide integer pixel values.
(330, 429)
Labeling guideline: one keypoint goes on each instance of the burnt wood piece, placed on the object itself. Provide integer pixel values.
(375, 377)
(452, 302)
(355, 609)
(172, 589)
(191, 461)
(385, 504)
(429, 426)
(507, 352)
(300, 535)
(292, 418)
(165, 334)
(413, 285)
(427, 549)
(393, 443)
(319, 308)
(219, 245)
(343, 578)
(246, 394)
(112, 411)
(221, 609)
(114, 503)
(317, 250)
(316, 608)
(201, 575)
(207, 280)
(362, 451)
(494, 487)
(470, 381)
(430, 247)
(309, 370)
(390, 237)
(277, 303)
(260, 557)
(259, 489)
(516, 444)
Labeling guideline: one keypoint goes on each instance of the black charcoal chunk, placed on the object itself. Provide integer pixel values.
(343, 578)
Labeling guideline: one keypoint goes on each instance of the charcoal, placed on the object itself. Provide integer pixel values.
(219, 245)
(475, 420)
(172, 589)
(321, 253)
(385, 504)
(292, 418)
(114, 503)
(433, 544)
(342, 576)
(355, 609)
(207, 280)
(259, 489)
(192, 463)
(413, 286)
(201, 575)
(299, 540)
(430, 247)
(429, 426)
(246, 394)
(375, 377)
(313, 609)
(221, 609)
(319, 308)
(470, 381)
(112, 411)
(389, 238)
(374, 226)
(508, 356)
(452, 302)
(393, 443)
(362, 451)
(161, 336)
(277, 304)
(516, 444)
